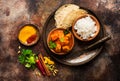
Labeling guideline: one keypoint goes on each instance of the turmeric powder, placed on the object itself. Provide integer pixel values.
(26, 32)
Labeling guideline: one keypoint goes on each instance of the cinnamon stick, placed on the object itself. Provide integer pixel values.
(40, 57)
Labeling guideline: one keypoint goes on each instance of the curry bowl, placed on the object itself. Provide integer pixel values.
(60, 41)
(86, 27)
(28, 34)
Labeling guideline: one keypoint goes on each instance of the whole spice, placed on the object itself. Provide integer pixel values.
(48, 61)
(19, 47)
(37, 73)
(19, 52)
(40, 67)
(51, 65)
(44, 66)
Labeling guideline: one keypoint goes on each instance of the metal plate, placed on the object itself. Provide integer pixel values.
(84, 57)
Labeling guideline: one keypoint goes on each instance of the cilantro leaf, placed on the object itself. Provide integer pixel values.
(66, 32)
(31, 60)
(62, 39)
(28, 65)
(27, 57)
(52, 45)
(21, 59)
(26, 52)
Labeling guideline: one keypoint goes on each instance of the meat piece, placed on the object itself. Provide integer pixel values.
(57, 42)
(60, 34)
(58, 48)
(68, 35)
(54, 36)
(66, 48)
(65, 41)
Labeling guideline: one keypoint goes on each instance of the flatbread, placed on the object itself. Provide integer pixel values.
(67, 14)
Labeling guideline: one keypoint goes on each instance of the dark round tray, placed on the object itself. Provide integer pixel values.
(83, 57)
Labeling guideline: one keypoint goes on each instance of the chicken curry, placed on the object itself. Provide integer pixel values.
(60, 41)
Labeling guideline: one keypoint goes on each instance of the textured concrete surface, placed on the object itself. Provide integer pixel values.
(14, 13)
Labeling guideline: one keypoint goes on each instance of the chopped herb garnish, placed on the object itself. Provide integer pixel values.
(27, 57)
(62, 39)
(52, 45)
(66, 32)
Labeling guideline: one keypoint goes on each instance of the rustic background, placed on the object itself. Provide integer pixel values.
(14, 13)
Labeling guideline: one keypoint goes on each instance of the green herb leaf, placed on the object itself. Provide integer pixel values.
(27, 57)
(52, 45)
(26, 52)
(28, 65)
(66, 32)
(31, 60)
(21, 59)
(62, 39)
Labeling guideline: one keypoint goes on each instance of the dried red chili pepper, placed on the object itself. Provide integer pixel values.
(40, 67)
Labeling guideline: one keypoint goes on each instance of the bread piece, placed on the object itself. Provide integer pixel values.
(71, 17)
(67, 14)
(63, 11)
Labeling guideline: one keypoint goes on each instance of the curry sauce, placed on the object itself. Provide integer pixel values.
(63, 42)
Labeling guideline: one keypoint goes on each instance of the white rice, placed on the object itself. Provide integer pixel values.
(85, 27)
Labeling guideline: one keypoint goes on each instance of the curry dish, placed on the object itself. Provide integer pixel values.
(60, 40)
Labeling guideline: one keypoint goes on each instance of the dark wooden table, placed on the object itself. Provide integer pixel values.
(14, 13)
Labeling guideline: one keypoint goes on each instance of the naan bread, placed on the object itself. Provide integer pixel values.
(67, 14)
